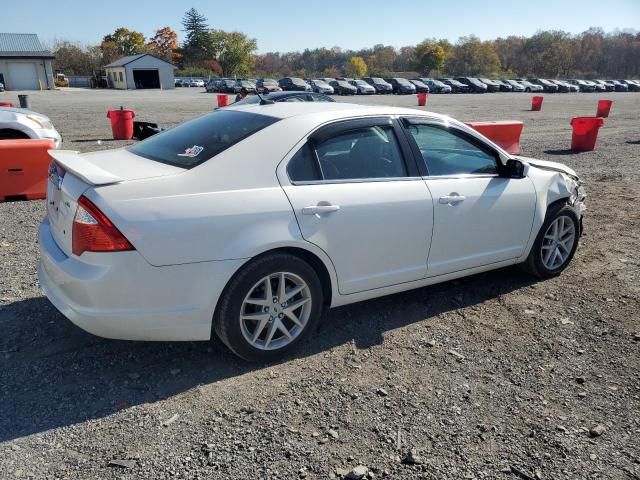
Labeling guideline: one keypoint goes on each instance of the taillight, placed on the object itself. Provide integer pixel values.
(94, 232)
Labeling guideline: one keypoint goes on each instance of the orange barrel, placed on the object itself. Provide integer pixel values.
(121, 123)
(223, 100)
(536, 103)
(604, 107)
(422, 99)
(585, 133)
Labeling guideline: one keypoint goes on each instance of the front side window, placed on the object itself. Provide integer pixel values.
(196, 141)
(449, 153)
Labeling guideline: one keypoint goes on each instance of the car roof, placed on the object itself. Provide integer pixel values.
(335, 110)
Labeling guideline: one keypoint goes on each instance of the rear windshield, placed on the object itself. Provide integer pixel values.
(196, 141)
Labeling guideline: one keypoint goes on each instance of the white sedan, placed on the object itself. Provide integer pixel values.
(17, 123)
(248, 221)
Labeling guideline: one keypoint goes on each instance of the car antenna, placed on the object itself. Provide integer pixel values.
(263, 101)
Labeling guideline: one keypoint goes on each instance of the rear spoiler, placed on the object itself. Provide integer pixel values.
(74, 163)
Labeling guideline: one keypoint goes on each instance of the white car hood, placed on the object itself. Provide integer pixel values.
(547, 165)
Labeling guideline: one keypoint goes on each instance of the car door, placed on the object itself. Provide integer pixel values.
(480, 217)
(357, 194)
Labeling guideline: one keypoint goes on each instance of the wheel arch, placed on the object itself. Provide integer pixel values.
(19, 133)
(319, 262)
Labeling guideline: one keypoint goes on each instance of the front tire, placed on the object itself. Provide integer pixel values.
(269, 307)
(555, 244)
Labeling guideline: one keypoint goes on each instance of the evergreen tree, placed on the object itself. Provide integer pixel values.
(197, 43)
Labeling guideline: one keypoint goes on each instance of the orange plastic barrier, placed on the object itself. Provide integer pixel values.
(422, 99)
(504, 133)
(24, 167)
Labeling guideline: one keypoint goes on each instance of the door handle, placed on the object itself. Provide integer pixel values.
(320, 208)
(452, 199)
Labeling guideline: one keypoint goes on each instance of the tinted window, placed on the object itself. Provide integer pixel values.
(302, 166)
(447, 153)
(196, 141)
(321, 98)
(365, 153)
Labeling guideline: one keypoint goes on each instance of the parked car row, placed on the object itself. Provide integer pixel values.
(403, 86)
(189, 82)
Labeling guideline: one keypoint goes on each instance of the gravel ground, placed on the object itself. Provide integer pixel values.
(492, 376)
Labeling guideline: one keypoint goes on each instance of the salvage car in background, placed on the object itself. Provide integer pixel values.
(19, 123)
(421, 87)
(362, 87)
(475, 85)
(582, 85)
(285, 97)
(401, 86)
(379, 84)
(294, 84)
(516, 86)
(492, 85)
(456, 86)
(342, 87)
(320, 86)
(248, 222)
(435, 86)
(267, 85)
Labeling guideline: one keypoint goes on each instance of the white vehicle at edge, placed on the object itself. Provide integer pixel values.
(18, 123)
(363, 87)
(248, 221)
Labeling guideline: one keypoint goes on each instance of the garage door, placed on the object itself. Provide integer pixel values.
(23, 76)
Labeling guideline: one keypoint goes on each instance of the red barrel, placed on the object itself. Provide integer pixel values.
(604, 107)
(6, 104)
(121, 123)
(585, 133)
(422, 99)
(223, 100)
(536, 103)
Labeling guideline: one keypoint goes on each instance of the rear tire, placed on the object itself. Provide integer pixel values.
(555, 244)
(269, 307)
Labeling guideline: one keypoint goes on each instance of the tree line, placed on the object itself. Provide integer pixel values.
(205, 51)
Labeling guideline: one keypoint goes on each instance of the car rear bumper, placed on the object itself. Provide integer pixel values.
(121, 296)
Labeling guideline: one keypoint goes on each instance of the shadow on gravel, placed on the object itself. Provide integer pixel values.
(52, 374)
(567, 151)
(633, 142)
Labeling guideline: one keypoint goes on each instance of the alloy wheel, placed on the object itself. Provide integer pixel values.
(275, 311)
(558, 242)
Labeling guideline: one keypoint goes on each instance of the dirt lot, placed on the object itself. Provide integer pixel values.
(493, 376)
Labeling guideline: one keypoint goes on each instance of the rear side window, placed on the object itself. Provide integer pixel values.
(364, 153)
(198, 140)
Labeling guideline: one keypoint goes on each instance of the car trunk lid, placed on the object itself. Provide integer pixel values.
(71, 174)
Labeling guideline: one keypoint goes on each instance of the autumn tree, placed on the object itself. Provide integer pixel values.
(73, 59)
(197, 43)
(473, 57)
(233, 51)
(164, 43)
(356, 67)
(123, 42)
(428, 56)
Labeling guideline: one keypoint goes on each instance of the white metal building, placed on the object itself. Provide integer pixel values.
(24, 63)
(140, 71)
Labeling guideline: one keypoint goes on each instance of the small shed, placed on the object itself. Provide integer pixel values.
(24, 63)
(139, 72)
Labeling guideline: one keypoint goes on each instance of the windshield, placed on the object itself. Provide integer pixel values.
(297, 81)
(320, 83)
(403, 81)
(196, 141)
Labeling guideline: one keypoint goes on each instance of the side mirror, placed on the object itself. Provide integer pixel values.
(516, 168)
